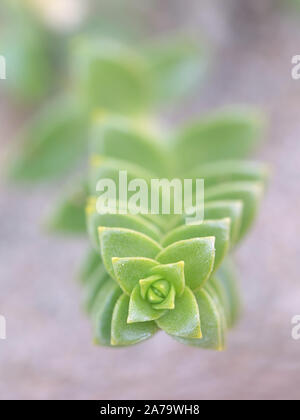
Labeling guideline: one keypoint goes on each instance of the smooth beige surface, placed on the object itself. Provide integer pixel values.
(48, 352)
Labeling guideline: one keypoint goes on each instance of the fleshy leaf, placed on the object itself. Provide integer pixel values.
(140, 310)
(124, 334)
(102, 312)
(218, 288)
(28, 49)
(184, 320)
(175, 67)
(248, 192)
(53, 143)
(218, 302)
(118, 138)
(220, 136)
(69, 216)
(198, 255)
(222, 209)
(107, 168)
(211, 324)
(90, 264)
(169, 302)
(230, 171)
(174, 274)
(127, 221)
(110, 76)
(122, 243)
(226, 275)
(220, 229)
(129, 271)
(93, 286)
(146, 283)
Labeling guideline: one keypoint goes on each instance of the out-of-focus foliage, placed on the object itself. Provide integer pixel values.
(175, 68)
(120, 79)
(110, 76)
(53, 142)
(68, 216)
(106, 77)
(32, 54)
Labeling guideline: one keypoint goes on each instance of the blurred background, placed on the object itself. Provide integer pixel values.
(48, 353)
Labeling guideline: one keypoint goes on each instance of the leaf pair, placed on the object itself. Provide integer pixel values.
(198, 254)
(225, 135)
(119, 79)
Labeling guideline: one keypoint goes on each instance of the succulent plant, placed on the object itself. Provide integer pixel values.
(159, 288)
(149, 272)
(156, 272)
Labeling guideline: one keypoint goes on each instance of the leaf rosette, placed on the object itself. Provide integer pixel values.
(156, 288)
(162, 296)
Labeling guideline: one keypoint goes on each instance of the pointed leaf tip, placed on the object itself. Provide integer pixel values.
(198, 255)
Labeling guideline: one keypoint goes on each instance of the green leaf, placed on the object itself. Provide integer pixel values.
(140, 310)
(53, 143)
(211, 324)
(173, 273)
(127, 221)
(226, 275)
(27, 49)
(176, 67)
(89, 266)
(218, 302)
(124, 334)
(220, 229)
(184, 320)
(110, 76)
(119, 138)
(93, 286)
(108, 168)
(125, 243)
(222, 209)
(249, 193)
(129, 271)
(102, 313)
(69, 216)
(216, 210)
(147, 282)
(230, 171)
(169, 302)
(220, 136)
(220, 291)
(198, 255)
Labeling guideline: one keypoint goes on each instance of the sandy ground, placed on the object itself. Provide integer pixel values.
(48, 352)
